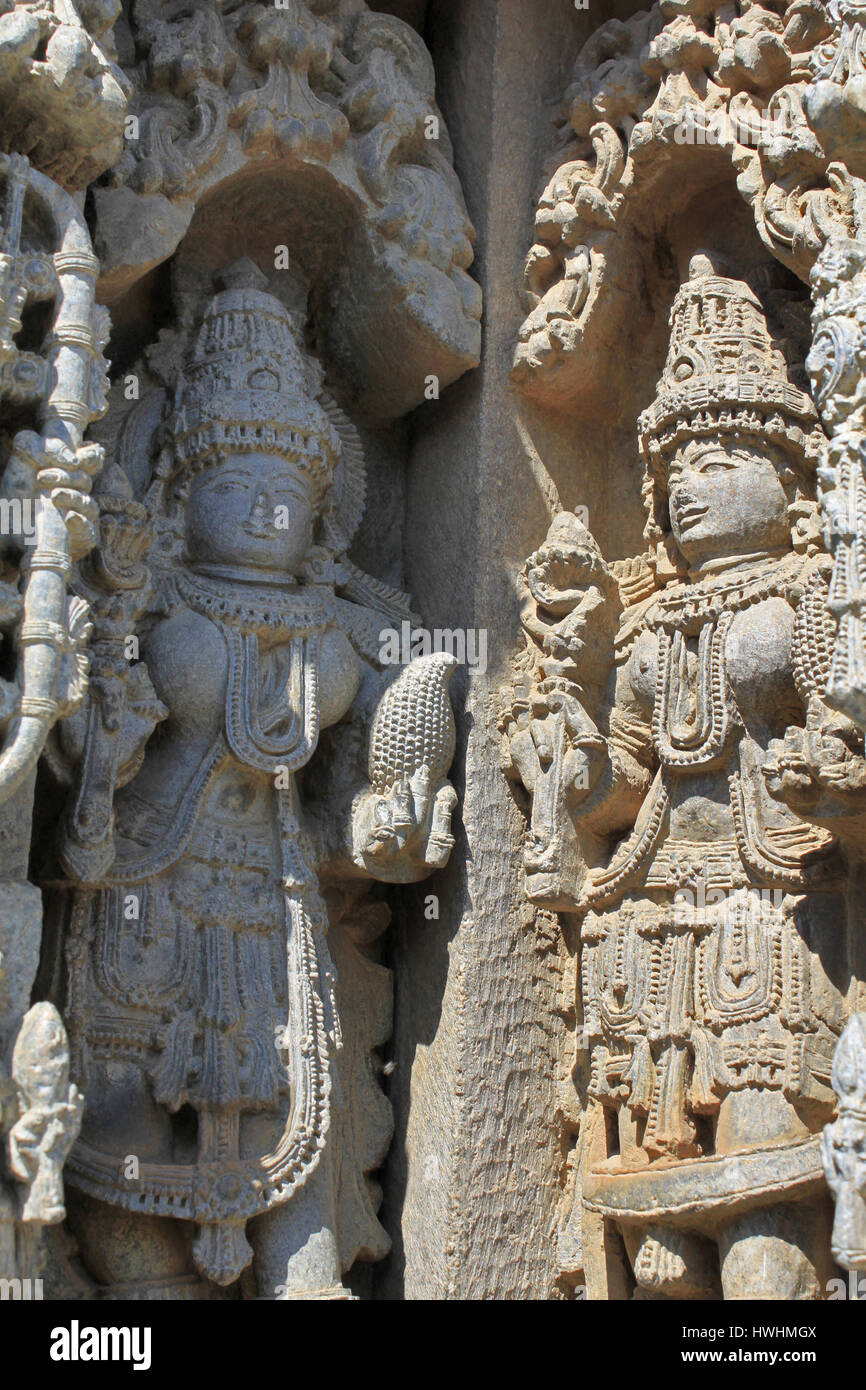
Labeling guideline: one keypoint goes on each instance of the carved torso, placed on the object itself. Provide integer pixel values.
(200, 971)
(700, 973)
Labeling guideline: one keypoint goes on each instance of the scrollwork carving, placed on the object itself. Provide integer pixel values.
(647, 93)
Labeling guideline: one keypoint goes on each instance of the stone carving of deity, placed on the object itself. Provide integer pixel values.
(691, 799)
(240, 770)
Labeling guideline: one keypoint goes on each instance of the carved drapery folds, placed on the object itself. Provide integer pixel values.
(229, 509)
(202, 507)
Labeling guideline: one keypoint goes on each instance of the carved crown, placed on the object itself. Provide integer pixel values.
(245, 389)
(724, 374)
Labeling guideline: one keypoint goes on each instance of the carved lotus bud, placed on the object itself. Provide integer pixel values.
(414, 724)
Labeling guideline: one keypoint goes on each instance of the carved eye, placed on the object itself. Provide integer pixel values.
(683, 369)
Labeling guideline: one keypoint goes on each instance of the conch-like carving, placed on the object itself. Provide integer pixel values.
(692, 802)
(221, 824)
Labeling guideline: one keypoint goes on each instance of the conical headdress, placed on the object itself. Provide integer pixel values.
(245, 389)
(724, 375)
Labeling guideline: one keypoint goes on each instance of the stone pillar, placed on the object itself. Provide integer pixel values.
(473, 1179)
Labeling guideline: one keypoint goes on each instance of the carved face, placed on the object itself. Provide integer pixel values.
(726, 500)
(252, 510)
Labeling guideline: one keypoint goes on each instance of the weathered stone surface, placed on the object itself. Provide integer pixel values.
(711, 990)
(665, 781)
(322, 120)
(64, 97)
(209, 936)
(282, 1029)
(204, 1007)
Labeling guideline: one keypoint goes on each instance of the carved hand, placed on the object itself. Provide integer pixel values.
(65, 476)
(399, 837)
(38, 1145)
(820, 769)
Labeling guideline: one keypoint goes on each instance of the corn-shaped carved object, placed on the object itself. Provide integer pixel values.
(413, 726)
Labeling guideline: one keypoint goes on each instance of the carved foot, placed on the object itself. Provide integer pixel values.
(676, 1264)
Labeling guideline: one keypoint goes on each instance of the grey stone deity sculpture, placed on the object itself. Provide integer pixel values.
(691, 796)
(231, 1105)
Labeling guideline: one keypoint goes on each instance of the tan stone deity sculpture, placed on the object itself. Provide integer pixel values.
(676, 759)
(231, 1107)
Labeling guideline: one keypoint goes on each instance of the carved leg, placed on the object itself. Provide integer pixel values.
(129, 1256)
(295, 1244)
(779, 1253)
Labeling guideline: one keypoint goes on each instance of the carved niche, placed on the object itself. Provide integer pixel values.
(223, 1007)
(699, 837)
(320, 119)
(265, 197)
